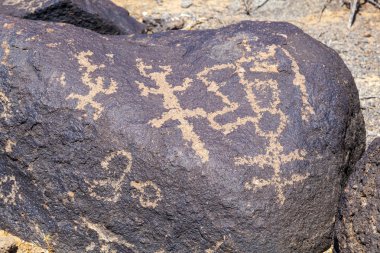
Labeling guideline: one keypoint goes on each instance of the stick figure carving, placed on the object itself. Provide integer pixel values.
(95, 85)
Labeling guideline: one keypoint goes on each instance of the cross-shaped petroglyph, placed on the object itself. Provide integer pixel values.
(171, 103)
(115, 184)
(95, 85)
(11, 196)
(144, 193)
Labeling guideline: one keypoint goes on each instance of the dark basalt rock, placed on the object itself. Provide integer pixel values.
(101, 16)
(228, 140)
(358, 225)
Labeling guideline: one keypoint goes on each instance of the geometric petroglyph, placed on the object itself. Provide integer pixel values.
(259, 62)
(147, 192)
(9, 184)
(114, 183)
(95, 85)
(274, 156)
(107, 237)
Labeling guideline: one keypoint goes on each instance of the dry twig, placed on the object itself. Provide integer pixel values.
(374, 2)
(354, 7)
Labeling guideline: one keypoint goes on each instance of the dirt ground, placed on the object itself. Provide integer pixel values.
(325, 20)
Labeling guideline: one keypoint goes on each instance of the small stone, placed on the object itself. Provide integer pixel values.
(186, 3)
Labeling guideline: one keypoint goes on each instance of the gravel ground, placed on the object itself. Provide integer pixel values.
(325, 20)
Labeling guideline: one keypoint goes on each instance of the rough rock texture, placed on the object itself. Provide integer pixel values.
(358, 226)
(102, 16)
(229, 140)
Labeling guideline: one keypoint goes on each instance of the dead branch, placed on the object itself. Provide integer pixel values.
(375, 3)
(354, 7)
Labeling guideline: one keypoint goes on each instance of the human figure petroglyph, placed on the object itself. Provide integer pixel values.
(95, 85)
(115, 183)
(171, 103)
(12, 195)
(147, 198)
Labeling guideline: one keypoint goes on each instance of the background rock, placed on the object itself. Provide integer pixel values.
(102, 16)
(358, 226)
(235, 139)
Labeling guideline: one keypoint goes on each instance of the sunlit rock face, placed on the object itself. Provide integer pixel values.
(228, 140)
(101, 16)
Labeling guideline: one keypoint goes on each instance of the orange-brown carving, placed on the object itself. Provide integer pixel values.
(115, 184)
(95, 85)
(171, 103)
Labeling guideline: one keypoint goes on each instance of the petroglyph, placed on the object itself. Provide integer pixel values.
(8, 26)
(9, 145)
(274, 156)
(6, 52)
(171, 103)
(95, 85)
(4, 106)
(8, 195)
(62, 80)
(107, 237)
(263, 61)
(147, 192)
(33, 38)
(215, 248)
(299, 80)
(53, 45)
(115, 184)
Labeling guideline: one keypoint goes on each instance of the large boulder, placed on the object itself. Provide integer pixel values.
(102, 16)
(358, 224)
(228, 140)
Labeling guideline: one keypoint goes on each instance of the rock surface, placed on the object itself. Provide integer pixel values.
(358, 226)
(102, 16)
(229, 140)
